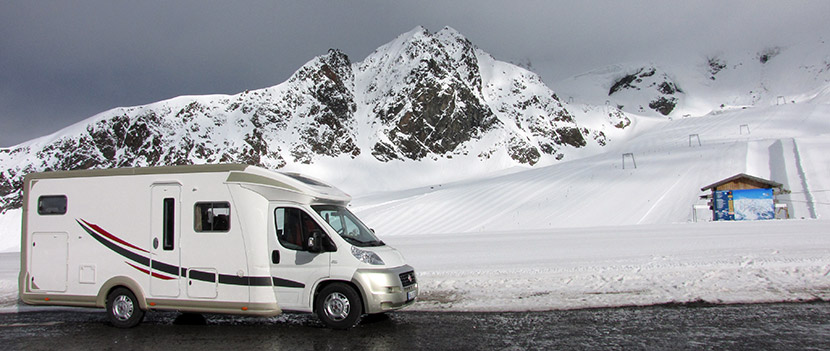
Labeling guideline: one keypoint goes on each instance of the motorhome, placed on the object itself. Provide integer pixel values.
(230, 238)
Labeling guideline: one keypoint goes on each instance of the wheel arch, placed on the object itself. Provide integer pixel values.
(116, 282)
(323, 284)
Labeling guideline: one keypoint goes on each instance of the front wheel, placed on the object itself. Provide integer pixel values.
(339, 306)
(123, 308)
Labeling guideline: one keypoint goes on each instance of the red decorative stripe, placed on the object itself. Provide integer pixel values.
(105, 233)
(156, 275)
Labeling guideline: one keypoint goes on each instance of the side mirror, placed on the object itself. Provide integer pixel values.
(315, 242)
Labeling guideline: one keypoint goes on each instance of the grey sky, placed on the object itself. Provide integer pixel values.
(64, 61)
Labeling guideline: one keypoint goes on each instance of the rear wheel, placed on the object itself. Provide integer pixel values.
(339, 306)
(123, 308)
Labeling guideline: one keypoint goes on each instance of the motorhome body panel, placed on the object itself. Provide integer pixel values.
(191, 238)
(113, 228)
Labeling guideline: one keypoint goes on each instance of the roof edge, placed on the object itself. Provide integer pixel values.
(772, 184)
(109, 172)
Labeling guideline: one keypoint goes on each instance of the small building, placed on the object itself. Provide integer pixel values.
(744, 197)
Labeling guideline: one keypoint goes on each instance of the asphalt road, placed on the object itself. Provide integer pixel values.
(791, 326)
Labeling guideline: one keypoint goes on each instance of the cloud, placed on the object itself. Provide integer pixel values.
(63, 61)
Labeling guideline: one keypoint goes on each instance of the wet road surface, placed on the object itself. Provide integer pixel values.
(790, 326)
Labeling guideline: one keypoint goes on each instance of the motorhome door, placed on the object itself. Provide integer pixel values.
(295, 269)
(165, 240)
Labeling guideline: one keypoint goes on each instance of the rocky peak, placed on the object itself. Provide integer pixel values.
(431, 101)
(651, 83)
(420, 96)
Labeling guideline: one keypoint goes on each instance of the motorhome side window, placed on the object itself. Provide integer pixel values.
(212, 217)
(51, 205)
(294, 226)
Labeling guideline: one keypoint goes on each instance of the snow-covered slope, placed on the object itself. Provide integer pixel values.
(710, 82)
(593, 232)
(674, 159)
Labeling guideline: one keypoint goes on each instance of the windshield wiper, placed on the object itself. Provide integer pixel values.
(354, 241)
(375, 243)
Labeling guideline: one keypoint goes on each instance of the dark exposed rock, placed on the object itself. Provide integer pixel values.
(626, 82)
(668, 88)
(331, 129)
(663, 105)
(522, 151)
(767, 54)
(651, 80)
(715, 66)
(384, 152)
(440, 107)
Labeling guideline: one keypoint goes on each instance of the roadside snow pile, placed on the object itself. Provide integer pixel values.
(10, 231)
(9, 267)
(718, 262)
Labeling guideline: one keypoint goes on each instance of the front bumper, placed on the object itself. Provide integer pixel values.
(386, 289)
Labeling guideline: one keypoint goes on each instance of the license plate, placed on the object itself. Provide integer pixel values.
(411, 295)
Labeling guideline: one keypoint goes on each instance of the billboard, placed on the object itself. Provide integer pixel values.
(724, 210)
(753, 204)
(744, 205)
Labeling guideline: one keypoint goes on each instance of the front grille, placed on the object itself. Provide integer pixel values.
(407, 278)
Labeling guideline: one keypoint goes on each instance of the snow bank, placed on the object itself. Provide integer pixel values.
(10, 231)
(9, 268)
(719, 262)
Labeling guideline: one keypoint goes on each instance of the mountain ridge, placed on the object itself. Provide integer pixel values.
(426, 104)
(420, 96)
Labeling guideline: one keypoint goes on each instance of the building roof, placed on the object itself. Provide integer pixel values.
(744, 176)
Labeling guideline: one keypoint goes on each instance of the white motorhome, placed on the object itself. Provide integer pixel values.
(212, 239)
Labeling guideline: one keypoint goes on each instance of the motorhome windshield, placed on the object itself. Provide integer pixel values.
(347, 225)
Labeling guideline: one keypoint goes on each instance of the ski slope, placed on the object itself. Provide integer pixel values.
(782, 143)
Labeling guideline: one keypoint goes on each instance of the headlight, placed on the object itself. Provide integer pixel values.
(366, 256)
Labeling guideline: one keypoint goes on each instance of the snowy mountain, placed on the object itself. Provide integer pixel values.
(764, 113)
(421, 96)
(430, 109)
(697, 85)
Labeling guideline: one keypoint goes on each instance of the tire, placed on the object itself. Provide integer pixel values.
(339, 306)
(123, 308)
